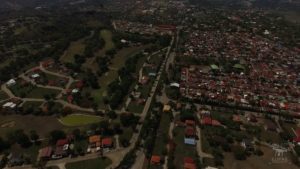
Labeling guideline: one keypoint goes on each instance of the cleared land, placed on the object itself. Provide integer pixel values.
(42, 124)
(98, 163)
(79, 120)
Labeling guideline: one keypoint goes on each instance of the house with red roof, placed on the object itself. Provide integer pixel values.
(62, 142)
(107, 143)
(45, 153)
(210, 121)
(190, 123)
(189, 163)
(189, 132)
(70, 98)
(155, 160)
(297, 137)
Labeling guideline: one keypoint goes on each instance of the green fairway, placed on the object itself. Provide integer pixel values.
(79, 120)
(76, 47)
(97, 163)
(107, 36)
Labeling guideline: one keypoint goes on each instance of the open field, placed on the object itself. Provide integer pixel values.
(107, 36)
(33, 92)
(76, 47)
(256, 162)
(98, 163)
(42, 124)
(79, 120)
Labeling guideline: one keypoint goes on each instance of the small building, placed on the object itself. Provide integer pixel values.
(35, 76)
(166, 108)
(177, 85)
(107, 143)
(190, 141)
(95, 141)
(11, 82)
(190, 123)
(62, 142)
(155, 160)
(75, 91)
(45, 153)
(9, 105)
(247, 144)
(144, 80)
(189, 132)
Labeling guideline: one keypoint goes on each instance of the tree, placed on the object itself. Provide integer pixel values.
(34, 136)
(239, 153)
(112, 115)
(3, 145)
(22, 139)
(56, 135)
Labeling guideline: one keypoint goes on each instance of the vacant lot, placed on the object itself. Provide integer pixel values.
(42, 124)
(30, 91)
(98, 163)
(79, 120)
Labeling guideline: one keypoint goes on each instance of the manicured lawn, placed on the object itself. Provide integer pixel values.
(76, 47)
(3, 95)
(79, 120)
(107, 36)
(98, 163)
(162, 135)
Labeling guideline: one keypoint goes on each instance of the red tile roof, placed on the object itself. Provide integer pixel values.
(62, 142)
(106, 142)
(155, 159)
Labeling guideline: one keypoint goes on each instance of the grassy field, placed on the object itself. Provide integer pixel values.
(111, 75)
(79, 120)
(76, 47)
(98, 163)
(3, 95)
(42, 124)
(33, 92)
(107, 36)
